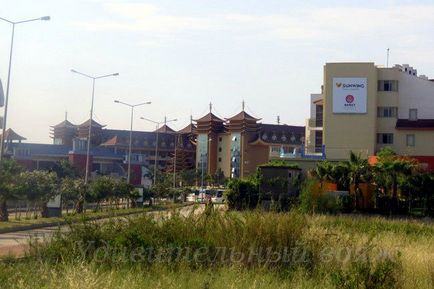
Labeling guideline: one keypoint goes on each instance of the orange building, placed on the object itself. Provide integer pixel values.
(239, 144)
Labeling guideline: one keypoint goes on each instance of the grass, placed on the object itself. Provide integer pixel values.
(23, 222)
(333, 252)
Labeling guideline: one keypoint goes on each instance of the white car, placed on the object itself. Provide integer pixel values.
(219, 197)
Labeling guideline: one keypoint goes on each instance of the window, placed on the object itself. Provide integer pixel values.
(388, 85)
(412, 114)
(220, 160)
(384, 138)
(411, 140)
(220, 139)
(275, 149)
(387, 111)
(220, 149)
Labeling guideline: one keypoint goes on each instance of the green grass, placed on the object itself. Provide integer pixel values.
(71, 217)
(338, 252)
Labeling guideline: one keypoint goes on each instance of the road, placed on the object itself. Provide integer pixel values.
(16, 244)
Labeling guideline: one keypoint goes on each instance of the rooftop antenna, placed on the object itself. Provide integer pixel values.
(165, 120)
(66, 115)
(387, 62)
(243, 103)
(278, 119)
(210, 106)
(191, 119)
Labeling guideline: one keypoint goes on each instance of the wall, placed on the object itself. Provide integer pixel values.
(417, 93)
(350, 132)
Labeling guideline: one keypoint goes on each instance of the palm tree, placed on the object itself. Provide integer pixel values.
(392, 169)
(323, 172)
(358, 172)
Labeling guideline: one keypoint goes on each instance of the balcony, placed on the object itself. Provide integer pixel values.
(315, 124)
(303, 152)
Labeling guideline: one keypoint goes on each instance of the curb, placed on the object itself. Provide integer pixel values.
(61, 223)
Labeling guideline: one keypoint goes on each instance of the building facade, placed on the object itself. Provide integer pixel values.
(239, 144)
(363, 107)
(109, 150)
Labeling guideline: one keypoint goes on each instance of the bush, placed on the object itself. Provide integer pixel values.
(242, 194)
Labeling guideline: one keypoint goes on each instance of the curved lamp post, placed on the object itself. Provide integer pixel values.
(132, 106)
(157, 123)
(45, 18)
(86, 177)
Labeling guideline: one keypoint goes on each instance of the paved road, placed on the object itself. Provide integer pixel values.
(16, 244)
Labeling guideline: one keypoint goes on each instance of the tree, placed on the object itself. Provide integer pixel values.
(9, 185)
(72, 191)
(100, 189)
(392, 170)
(39, 187)
(323, 172)
(358, 172)
(122, 189)
(64, 169)
(189, 177)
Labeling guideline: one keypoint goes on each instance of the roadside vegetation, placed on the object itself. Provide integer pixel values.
(214, 249)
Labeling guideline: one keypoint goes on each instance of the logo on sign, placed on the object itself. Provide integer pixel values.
(338, 84)
(349, 98)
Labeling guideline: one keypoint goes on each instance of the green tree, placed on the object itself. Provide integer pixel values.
(323, 172)
(359, 171)
(9, 185)
(64, 169)
(101, 189)
(72, 191)
(189, 177)
(39, 187)
(391, 171)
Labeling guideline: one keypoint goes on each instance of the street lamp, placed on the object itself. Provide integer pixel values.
(157, 123)
(45, 18)
(86, 177)
(132, 106)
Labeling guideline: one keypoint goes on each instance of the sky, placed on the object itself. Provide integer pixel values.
(182, 55)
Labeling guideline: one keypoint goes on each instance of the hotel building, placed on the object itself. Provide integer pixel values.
(237, 145)
(109, 150)
(363, 107)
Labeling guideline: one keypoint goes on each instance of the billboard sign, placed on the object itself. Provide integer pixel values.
(350, 94)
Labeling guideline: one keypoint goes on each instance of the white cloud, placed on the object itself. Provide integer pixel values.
(318, 24)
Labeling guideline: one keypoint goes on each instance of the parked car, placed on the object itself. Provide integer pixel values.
(218, 197)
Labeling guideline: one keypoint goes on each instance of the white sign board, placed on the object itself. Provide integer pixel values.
(350, 94)
(55, 202)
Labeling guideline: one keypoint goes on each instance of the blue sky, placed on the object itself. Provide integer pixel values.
(183, 54)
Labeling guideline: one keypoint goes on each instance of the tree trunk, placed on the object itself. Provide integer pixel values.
(4, 216)
(79, 206)
(44, 210)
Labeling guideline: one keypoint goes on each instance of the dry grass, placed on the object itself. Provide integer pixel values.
(412, 243)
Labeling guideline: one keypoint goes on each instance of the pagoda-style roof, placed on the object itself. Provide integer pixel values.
(11, 135)
(165, 129)
(94, 124)
(242, 116)
(114, 141)
(188, 129)
(64, 124)
(242, 122)
(210, 117)
(209, 123)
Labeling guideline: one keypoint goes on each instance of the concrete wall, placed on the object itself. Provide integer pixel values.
(349, 132)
